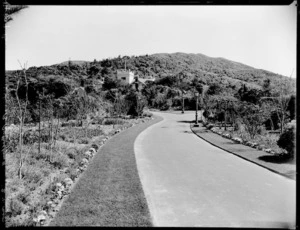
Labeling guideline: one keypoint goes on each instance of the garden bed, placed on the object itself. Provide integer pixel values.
(248, 150)
(267, 140)
(47, 177)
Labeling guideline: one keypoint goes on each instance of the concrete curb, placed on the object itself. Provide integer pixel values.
(272, 170)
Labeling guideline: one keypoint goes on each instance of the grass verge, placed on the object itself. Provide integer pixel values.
(109, 193)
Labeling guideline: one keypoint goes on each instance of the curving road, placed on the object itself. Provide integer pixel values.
(188, 182)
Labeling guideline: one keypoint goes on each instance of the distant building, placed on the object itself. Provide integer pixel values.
(137, 84)
(140, 83)
(126, 76)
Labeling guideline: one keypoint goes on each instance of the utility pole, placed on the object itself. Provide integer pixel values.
(39, 123)
(219, 110)
(225, 114)
(182, 102)
(196, 115)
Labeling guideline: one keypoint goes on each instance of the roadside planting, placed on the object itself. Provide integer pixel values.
(49, 176)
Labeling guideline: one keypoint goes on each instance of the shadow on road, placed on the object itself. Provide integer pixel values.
(278, 159)
(185, 121)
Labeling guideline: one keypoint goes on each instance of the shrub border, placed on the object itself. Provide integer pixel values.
(272, 170)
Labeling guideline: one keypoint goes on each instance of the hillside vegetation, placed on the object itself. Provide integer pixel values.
(54, 113)
(206, 69)
(73, 89)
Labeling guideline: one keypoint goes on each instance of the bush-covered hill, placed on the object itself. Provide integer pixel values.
(220, 74)
(206, 69)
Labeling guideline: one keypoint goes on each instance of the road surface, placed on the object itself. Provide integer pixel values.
(188, 182)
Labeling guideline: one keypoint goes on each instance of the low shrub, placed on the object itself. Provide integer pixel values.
(98, 120)
(60, 160)
(83, 141)
(95, 146)
(77, 160)
(15, 207)
(24, 196)
(46, 171)
(31, 160)
(113, 121)
(209, 126)
(261, 130)
(77, 133)
(238, 126)
(10, 142)
(50, 189)
(94, 132)
(44, 154)
(21, 220)
(31, 136)
(287, 141)
(62, 137)
(11, 165)
(32, 174)
(14, 185)
(71, 171)
(71, 153)
(147, 114)
(166, 106)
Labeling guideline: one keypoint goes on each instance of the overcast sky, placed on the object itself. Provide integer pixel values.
(260, 36)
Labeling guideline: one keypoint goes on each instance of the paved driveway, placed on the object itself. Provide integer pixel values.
(188, 182)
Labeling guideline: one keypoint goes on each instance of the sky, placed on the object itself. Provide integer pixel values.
(263, 37)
